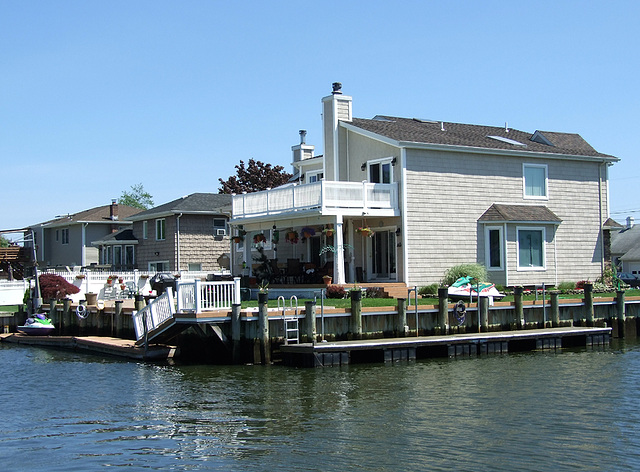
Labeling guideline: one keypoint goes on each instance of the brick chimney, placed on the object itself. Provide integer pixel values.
(113, 214)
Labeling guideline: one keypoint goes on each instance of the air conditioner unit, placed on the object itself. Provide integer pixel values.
(221, 232)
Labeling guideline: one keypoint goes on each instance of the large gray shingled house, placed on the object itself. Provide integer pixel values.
(532, 207)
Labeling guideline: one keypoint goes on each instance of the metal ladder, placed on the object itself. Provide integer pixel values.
(291, 332)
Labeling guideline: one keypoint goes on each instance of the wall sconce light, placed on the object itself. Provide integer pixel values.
(363, 166)
(398, 232)
(393, 161)
(157, 253)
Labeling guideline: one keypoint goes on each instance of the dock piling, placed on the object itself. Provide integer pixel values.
(401, 327)
(356, 314)
(310, 320)
(588, 303)
(263, 328)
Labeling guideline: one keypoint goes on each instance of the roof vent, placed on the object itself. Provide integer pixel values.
(630, 222)
(303, 136)
(337, 88)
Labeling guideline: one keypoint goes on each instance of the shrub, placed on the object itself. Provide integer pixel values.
(580, 284)
(54, 286)
(336, 291)
(429, 290)
(477, 271)
(374, 292)
(566, 286)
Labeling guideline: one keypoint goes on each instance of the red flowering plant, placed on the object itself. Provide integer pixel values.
(291, 237)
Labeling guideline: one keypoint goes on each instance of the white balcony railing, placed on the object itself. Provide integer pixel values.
(324, 195)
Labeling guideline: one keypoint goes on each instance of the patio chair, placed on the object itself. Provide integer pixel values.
(294, 271)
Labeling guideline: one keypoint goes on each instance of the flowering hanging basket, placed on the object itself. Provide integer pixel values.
(292, 237)
(238, 239)
(365, 231)
(259, 238)
(307, 232)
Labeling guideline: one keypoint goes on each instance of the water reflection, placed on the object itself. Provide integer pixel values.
(562, 410)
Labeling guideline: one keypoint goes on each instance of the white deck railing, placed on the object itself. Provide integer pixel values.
(201, 296)
(154, 314)
(323, 195)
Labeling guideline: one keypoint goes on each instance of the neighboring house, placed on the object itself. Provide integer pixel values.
(189, 233)
(118, 250)
(66, 240)
(625, 248)
(529, 206)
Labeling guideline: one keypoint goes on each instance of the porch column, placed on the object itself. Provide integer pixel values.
(338, 259)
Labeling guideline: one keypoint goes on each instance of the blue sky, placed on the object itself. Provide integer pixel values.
(98, 96)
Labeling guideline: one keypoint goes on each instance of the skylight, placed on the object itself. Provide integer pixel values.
(507, 140)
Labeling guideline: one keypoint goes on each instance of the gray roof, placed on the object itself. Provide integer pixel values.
(476, 136)
(625, 240)
(520, 213)
(101, 214)
(124, 235)
(196, 203)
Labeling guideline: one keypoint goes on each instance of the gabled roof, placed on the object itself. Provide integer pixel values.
(625, 240)
(101, 214)
(519, 213)
(196, 203)
(411, 130)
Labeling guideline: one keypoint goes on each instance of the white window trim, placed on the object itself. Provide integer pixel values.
(156, 263)
(164, 231)
(314, 173)
(487, 247)
(145, 229)
(546, 182)
(544, 248)
(384, 160)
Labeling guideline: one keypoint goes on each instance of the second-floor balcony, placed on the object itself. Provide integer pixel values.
(327, 197)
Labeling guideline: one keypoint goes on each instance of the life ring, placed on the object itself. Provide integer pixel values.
(81, 312)
(460, 311)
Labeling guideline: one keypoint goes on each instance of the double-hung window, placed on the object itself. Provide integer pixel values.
(160, 229)
(531, 249)
(314, 176)
(65, 236)
(145, 229)
(535, 181)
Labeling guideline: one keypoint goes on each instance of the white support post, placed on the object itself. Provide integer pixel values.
(236, 290)
(196, 296)
(338, 259)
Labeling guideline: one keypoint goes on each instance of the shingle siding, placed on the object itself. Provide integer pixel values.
(447, 192)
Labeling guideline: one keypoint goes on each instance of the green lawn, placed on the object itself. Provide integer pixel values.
(373, 302)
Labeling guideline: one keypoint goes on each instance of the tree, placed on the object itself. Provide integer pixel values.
(255, 177)
(137, 198)
(54, 286)
(4, 242)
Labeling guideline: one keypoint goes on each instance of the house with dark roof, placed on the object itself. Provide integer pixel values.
(66, 240)
(625, 247)
(404, 199)
(189, 233)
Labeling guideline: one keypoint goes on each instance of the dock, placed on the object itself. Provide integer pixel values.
(326, 354)
(118, 347)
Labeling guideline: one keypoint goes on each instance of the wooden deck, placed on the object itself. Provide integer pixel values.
(96, 344)
(457, 345)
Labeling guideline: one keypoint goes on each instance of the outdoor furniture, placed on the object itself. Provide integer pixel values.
(294, 271)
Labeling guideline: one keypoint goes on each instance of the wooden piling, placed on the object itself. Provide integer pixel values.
(117, 321)
(235, 333)
(555, 308)
(263, 329)
(443, 310)
(519, 320)
(66, 311)
(483, 306)
(310, 320)
(588, 303)
(401, 328)
(356, 314)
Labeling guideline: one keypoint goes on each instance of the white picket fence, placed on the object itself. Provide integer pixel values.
(12, 293)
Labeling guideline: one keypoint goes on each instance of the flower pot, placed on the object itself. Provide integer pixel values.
(326, 280)
(92, 298)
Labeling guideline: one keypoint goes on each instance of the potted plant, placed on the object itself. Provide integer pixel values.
(328, 231)
(259, 238)
(327, 279)
(365, 231)
(292, 237)
(110, 279)
(307, 232)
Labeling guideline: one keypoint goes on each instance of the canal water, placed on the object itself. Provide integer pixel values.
(563, 411)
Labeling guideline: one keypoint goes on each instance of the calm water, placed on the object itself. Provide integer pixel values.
(572, 410)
